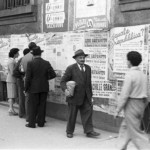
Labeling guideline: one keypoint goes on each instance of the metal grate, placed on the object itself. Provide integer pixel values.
(8, 4)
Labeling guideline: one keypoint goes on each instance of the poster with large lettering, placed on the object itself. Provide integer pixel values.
(123, 40)
(55, 16)
(90, 14)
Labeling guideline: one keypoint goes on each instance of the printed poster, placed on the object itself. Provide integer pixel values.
(55, 17)
(90, 14)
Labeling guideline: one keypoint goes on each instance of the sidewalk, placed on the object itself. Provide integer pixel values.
(14, 135)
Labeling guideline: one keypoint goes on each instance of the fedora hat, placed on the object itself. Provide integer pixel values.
(79, 52)
(37, 50)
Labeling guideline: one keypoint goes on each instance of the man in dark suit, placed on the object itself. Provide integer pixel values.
(81, 100)
(39, 71)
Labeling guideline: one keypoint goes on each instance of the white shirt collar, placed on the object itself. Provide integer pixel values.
(80, 67)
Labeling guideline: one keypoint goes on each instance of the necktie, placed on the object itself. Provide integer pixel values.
(82, 68)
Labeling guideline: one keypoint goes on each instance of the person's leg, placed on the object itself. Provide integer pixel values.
(11, 94)
(33, 102)
(133, 116)
(72, 115)
(86, 116)
(123, 137)
(41, 109)
(27, 106)
(21, 96)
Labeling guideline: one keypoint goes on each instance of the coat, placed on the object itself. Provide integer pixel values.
(82, 89)
(11, 65)
(36, 80)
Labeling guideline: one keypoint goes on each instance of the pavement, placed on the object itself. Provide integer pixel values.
(14, 135)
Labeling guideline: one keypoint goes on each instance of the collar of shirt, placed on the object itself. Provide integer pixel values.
(80, 67)
(135, 68)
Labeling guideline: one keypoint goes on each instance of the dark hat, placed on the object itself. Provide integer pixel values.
(79, 52)
(37, 51)
(32, 45)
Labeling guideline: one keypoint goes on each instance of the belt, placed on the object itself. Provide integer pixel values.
(145, 98)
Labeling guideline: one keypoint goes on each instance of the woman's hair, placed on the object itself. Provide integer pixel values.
(134, 57)
(12, 52)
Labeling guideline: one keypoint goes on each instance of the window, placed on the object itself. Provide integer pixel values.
(9, 4)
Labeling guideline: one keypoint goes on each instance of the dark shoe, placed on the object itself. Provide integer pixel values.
(69, 135)
(29, 126)
(39, 125)
(92, 134)
(12, 113)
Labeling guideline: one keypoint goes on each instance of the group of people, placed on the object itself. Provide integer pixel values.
(37, 72)
(27, 81)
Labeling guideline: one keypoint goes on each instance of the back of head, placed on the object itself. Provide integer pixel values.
(26, 51)
(134, 57)
(36, 51)
(32, 45)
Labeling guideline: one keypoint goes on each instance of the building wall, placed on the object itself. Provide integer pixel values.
(32, 23)
(130, 12)
(26, 19)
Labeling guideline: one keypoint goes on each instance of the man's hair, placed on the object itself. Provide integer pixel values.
(26, 51)
(12, 52)
(134, 57)
(32, 45)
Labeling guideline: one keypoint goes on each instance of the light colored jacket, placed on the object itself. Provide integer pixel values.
(27, 58)
(11, 65)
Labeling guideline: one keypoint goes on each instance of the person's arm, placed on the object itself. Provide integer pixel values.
(28, 78)
(12, 65)
(126, 89)
(51, 72)
(66, 77)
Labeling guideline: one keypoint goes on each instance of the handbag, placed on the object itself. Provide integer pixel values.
(17, 72)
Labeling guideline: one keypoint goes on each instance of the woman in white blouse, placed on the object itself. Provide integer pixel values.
(11, 80)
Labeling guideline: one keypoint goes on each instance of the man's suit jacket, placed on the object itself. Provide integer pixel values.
(27, 58)
(36, 80)
(73, 73)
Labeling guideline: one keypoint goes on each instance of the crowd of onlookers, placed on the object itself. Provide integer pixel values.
(27, 81)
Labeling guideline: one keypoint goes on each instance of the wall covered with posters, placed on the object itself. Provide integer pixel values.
(107, 58)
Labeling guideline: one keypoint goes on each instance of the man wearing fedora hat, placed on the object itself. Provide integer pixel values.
(81, 100)
(39, 71)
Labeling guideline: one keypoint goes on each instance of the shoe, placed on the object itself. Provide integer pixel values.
(40, 125)
(29, 126)
(92, 134)
(69, 135)
(12, 113)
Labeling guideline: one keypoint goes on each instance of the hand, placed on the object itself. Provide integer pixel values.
(67, 93)
(25, 93)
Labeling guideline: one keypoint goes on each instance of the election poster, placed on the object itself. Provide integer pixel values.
(123, 40)
(90, 14)
(55, 18)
